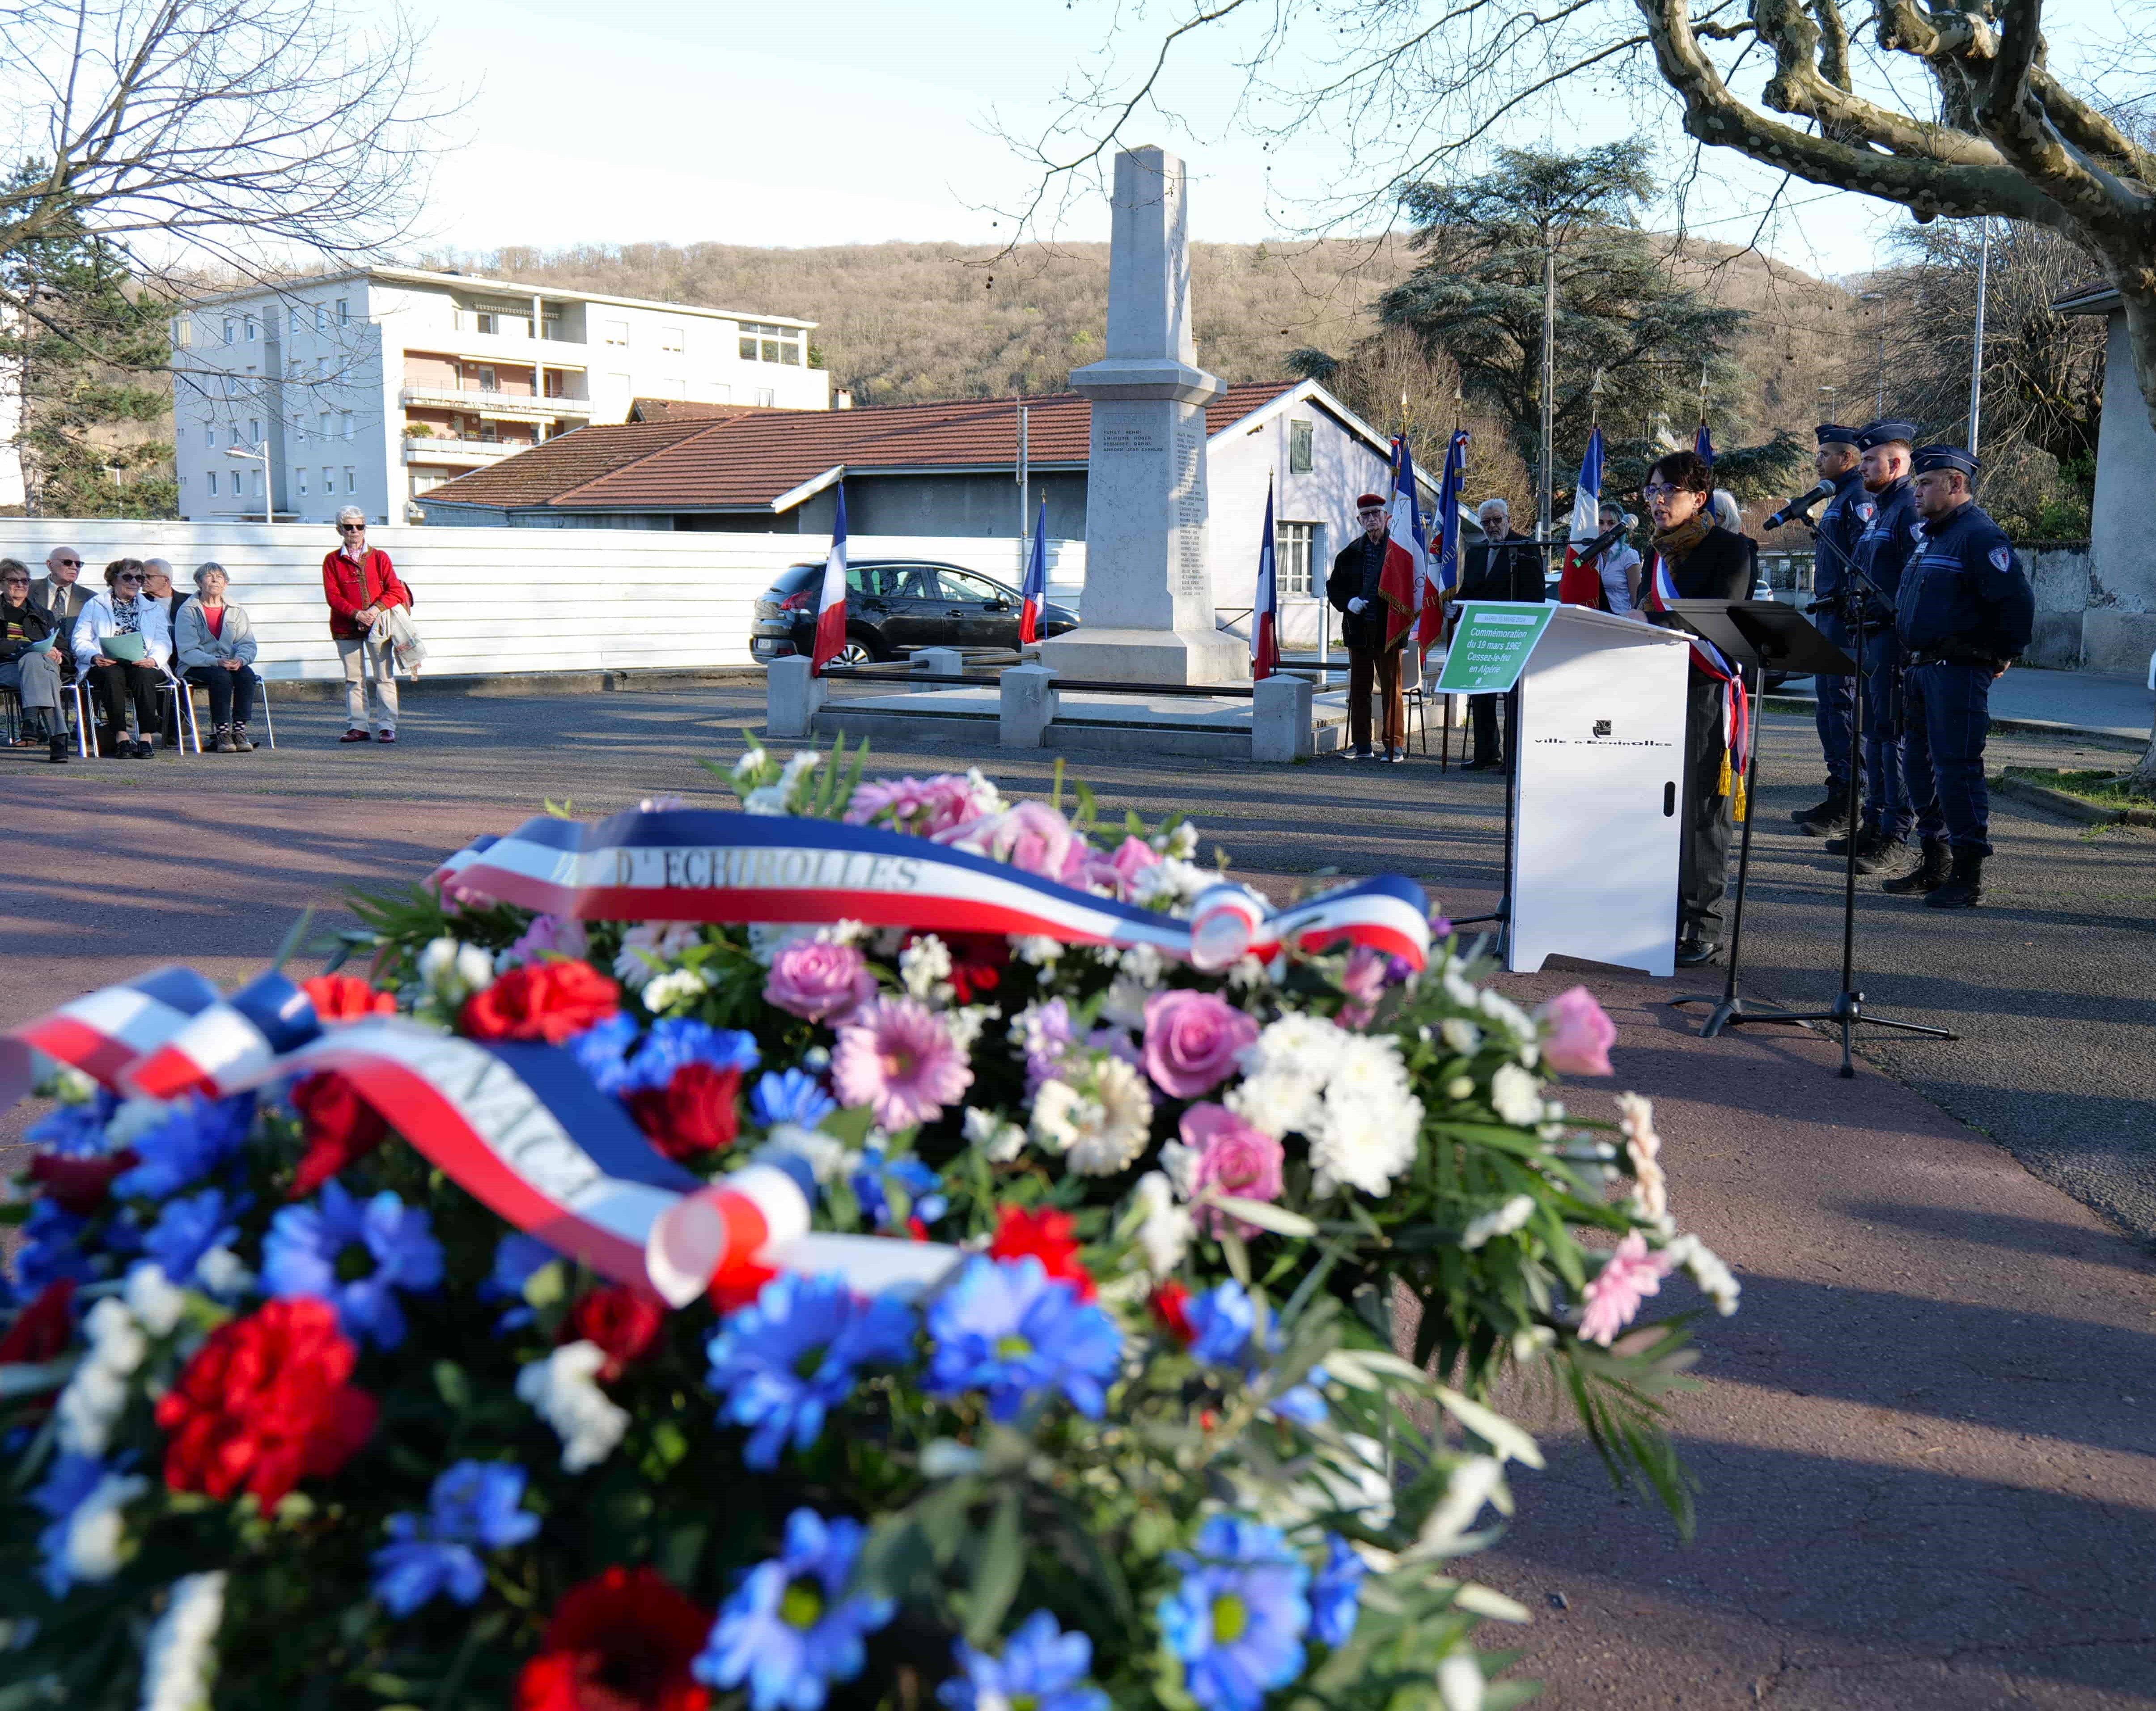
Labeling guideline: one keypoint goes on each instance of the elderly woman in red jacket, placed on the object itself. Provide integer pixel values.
(358, 581)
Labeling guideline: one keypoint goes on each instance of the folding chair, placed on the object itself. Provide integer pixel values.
(1413, 714)
(183, 694)
(85, 727)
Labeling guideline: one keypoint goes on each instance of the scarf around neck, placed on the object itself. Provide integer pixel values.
(1675, 544)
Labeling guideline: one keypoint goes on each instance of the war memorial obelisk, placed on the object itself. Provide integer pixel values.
(1148, 604)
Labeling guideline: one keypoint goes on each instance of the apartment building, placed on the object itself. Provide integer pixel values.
(370, 387)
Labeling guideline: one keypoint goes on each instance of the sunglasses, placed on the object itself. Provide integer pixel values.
(128, 579)
(16, 581)
(70, 564)
(352, 528)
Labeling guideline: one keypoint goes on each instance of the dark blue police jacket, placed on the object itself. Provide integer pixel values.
(1839, 527)
(1889, 537)
(1966, 589)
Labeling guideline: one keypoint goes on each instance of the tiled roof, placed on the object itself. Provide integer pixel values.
(567, 461)
(748, 461)
(686, 410)
(2096, 296)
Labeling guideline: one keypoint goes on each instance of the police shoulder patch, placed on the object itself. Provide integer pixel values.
(1915, 531)
(2002, 557)
(1866, 509)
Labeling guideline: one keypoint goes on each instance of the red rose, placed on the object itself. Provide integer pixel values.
(693, 1112)
(1170, 1305)
(43, 1330)
(338, 1126)
(623, 1321)
(621, 1642)
(81, 1186)
(264, 1404)
(346, 998)
(977, 962)
(1046, 1236)
(548, 1001)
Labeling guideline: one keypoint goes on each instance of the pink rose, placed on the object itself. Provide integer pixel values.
(1032, 836)
(1579, 1034)
(548, 935)
(820, 982)
(1132, 857)
(924, 807)
(1232, 1157)
(1363, 981)
(1191, 1041)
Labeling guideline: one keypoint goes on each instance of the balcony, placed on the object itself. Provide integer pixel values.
(505, 404)
(477, 453)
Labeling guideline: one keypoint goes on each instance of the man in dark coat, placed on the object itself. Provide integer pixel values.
(1501, 565)
(1706, 561)
(1354, 589)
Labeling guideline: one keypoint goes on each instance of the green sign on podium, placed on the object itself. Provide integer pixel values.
(1490, 648)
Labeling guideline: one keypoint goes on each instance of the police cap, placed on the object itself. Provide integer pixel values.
(1933, 459)
(1889, 431)
(1834, 433)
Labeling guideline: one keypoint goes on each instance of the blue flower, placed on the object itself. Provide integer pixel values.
(671, 1044)
(1222, 1321)
(315, 1250)
(517, 1256)
(51, 1248)
(473, 1503)
(74, 1131)
(72, 1478)
(784, 1361)
(1304, 1403)
(872, 1182)
(189, 1226)
(1334, 1596)
(790, 1631)
(1007, 1329)
(1237, 1620)
(198, 1137)
(1042, 1668)
(603, 1050)
(791, 1095)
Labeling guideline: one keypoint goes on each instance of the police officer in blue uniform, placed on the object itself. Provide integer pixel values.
(1888, 509)
(1964, 613)
(1834, 537)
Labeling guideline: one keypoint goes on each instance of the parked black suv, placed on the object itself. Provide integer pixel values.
(893, 604)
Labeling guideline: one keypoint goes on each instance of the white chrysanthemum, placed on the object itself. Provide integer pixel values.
(453, 970)
(1650, 1190)
(1165, 1235)
(648, 947)
(1459, 988)
(1716, 1281)
(179, 1659)
(675, 987)
(999, 1141)
(1515, 1095)
(1100, 1129)
(1170, 881)
(1181, 844)
(137, 1118)
(223, 1274)
(924, 966)
(153, 1301)
(1486, 1227)
(1461, 1034)
(1285, 1071)
(1143, 964)
(563, 1391)
(97, 1546)
(1362, 1144)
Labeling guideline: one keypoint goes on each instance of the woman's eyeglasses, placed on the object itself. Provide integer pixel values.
(1657, 490)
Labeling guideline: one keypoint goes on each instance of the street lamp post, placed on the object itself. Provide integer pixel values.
(261, 457)
(1880, 316)
(1976, 352)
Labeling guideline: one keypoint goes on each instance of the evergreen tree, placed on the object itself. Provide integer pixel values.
(86, 351)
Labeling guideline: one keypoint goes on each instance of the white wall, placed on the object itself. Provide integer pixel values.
(512, 600)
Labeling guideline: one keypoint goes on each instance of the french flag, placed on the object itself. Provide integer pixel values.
(103, 1034)
(237, 1038)
(1034, 594)
(1444, 564)
(1265, 614)
(831, 609)
(1407, 557)
(1581, 583)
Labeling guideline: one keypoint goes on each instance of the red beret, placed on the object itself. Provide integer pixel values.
(1371, 502)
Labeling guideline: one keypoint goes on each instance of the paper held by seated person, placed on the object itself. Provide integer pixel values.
(130, 648)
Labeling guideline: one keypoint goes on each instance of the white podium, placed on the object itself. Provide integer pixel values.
(1599, 774)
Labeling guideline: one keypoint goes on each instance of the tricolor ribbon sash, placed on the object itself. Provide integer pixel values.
(704, 865)
(106, 1033)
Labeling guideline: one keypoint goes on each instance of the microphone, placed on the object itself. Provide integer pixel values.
(1796, 508)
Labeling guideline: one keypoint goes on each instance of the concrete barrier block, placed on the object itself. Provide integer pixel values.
(1029, 706)
(792, 696)
(1280, 719)
(941, 662)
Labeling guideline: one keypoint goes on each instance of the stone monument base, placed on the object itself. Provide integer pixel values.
(1148, 655)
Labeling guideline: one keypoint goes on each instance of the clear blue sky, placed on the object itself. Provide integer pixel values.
(850, 121)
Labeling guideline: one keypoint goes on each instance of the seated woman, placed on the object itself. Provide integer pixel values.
(142, 640)
(30, 659)
(215, 645)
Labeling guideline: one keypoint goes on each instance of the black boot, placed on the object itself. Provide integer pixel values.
(1965, 890)
(57, 749)
(1877, 853)
(1928, 876)
(1828, 820)
(1827, 808)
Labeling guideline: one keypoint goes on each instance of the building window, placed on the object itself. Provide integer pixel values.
(322, 425)
(344, 312)
(184, 331)
(351, 479)
(212, 483)
(329, 479)
(763, 396)
(254, 480)
(616, 331)
(254, 330)
(1294, 544)
(254, 430)
(669, 338)
(487, 377)
(1299, 462)
(296, 317)
(762, 343)
(301, 473)
(231, 329)
(209, 436)
(322, 318)
(347, 424)
(721, 392)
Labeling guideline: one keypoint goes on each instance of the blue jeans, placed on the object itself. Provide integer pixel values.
(1948, 710)
(1837, 702)
(1887, 808)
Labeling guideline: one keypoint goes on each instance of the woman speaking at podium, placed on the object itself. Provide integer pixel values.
(1695, 558)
